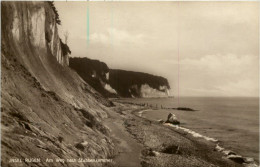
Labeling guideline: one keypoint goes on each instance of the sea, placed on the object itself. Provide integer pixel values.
(234, 121)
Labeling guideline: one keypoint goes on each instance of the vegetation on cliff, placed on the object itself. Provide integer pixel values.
(57, 16)
(65, 48)
(47, 110)
(128, 83)
(93, 72)
(125, 83)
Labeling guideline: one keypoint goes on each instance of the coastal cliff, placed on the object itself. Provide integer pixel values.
(50, 116)
(48, 111)
(95, 73)
(138, 84)
(119, 83)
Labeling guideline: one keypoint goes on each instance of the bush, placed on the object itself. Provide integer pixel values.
(65, 48)
(57, 18)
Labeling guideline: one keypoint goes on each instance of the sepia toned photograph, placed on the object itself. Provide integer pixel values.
(130, 83)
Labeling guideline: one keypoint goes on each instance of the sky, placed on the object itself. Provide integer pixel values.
(202, 48)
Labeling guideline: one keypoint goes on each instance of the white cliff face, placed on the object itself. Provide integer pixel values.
(55, 45)
(147, 91)
(38, 24)
(107, 75)
(107, 86)
(54, 41)
(33, 25)
(15, 26)
(162, 87)
(167, 91)
(52, 33)
(110, 89)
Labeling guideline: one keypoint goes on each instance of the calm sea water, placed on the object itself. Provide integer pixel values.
(233, 121)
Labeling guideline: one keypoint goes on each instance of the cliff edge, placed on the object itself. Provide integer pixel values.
(119, 83)
(138, 84)
(48, 111)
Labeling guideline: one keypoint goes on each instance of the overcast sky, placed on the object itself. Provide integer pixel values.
(214, 43)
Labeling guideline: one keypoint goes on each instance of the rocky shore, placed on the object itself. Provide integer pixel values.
(151, 143)
(50, 116)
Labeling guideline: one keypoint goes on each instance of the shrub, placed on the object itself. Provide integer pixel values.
(57, 18)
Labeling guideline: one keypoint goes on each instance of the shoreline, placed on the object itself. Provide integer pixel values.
(166, 146)
(247, 161)
(233, 121)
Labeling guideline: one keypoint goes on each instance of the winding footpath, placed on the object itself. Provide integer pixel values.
(128, 148)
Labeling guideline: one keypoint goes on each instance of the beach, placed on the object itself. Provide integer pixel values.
(145, 141)
(235, 123)
(108, 91)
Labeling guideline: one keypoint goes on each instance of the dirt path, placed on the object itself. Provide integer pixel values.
(160, 145)
(128, 148)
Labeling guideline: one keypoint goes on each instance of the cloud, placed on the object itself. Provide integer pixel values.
(242, 87)
(224, 64)
(217, 42)
(116, 36)
(228, 75)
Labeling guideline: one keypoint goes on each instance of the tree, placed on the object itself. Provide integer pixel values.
(57, 18)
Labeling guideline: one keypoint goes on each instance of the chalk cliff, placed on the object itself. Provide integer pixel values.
(138, 84)
(48, 111)
(95, 73)
(114, 83)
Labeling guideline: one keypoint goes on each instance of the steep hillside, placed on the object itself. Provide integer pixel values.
(112, 83)
(52, 117)
(48, 111)
(95, 73)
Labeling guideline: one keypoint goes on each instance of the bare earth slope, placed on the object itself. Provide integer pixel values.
(48, 111)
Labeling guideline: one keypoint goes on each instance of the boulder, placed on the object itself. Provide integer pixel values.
(172, 119)
(229, 152)
(248, 160)
(236, 158)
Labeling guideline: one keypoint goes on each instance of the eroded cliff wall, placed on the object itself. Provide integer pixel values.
(94, 72)
(48, 111)
(138, 84)
(35, 24)
(119, 83)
